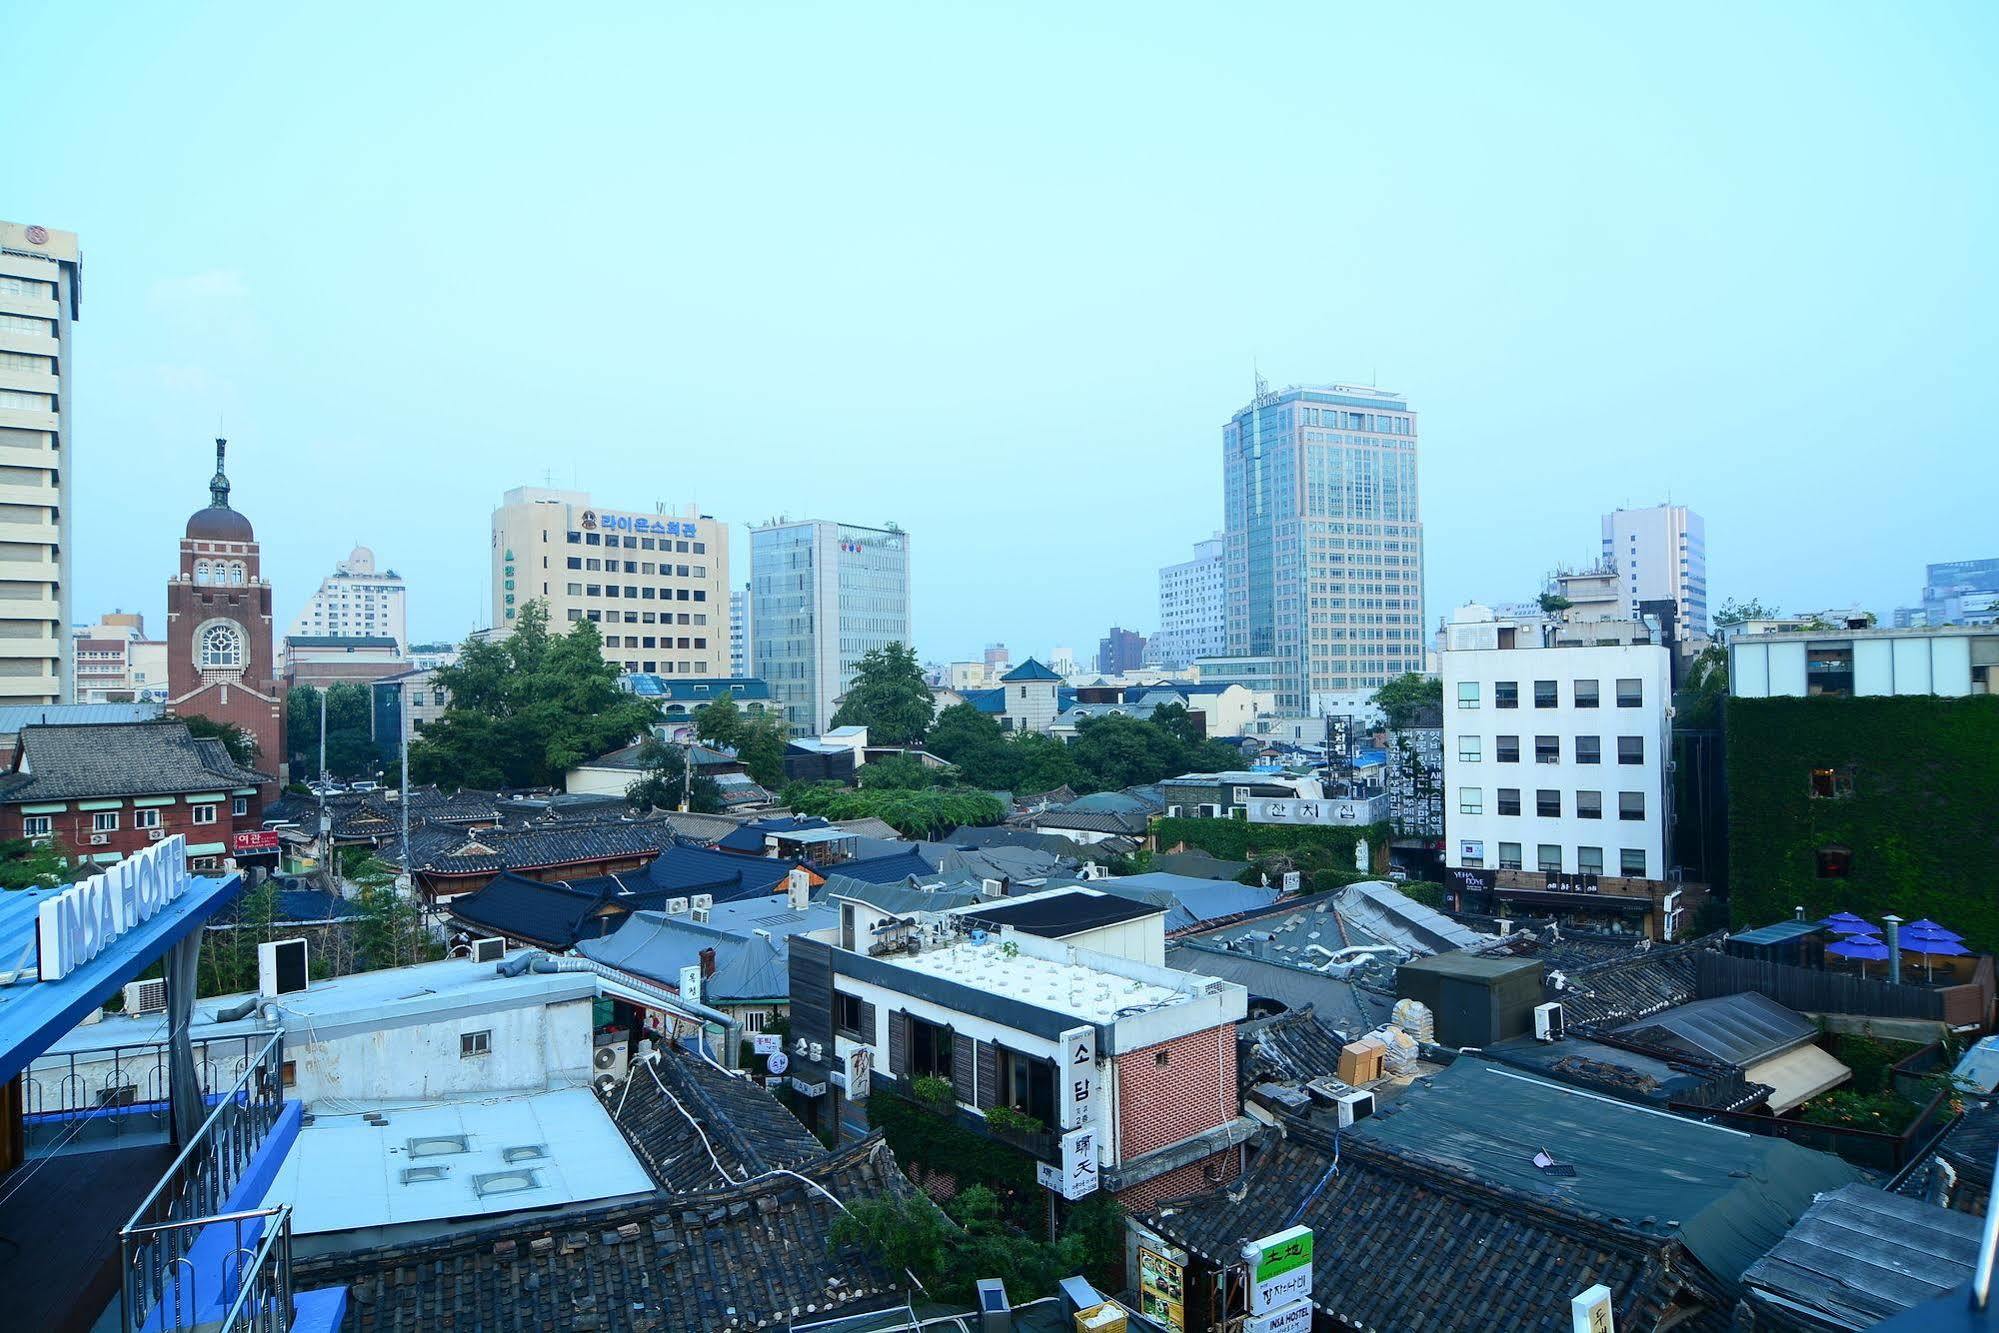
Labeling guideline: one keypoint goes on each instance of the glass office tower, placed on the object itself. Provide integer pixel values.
(1324, 539)
(822, 595)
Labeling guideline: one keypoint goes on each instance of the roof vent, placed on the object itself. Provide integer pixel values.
(413, 1175)
(526, 1152)
(505, 1182)
(436, 1145)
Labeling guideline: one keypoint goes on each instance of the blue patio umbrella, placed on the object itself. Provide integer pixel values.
(1929, 927)
(1846, 923)
(1932, 944)
(1864, 949)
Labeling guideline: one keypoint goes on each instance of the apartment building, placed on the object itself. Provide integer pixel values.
(656, 584)
(1555, 762)
(1193, 607)
(357, 600)
(1660, 554)
(40, 275)
(117, 663)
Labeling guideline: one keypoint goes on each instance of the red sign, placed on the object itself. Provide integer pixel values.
(250, 843)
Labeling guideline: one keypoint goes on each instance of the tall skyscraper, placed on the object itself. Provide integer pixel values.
(39, 274)
(1659, 554)
(822, 595)
(1324, 539)
(357, 601)
(1193, 607)
(740, 655)
(656, 584)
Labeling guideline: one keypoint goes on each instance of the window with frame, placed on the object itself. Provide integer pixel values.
(1548, 857)
(1833, 862)
(475, 1043)
(220, 647)
(1545, 695)
(1506, 694)
(1471, 800)
(1831, 784)
(1631, 805)
(1506, 749)
(1630, 749)
(204, 814)
(848, 1017)
(239, 806)
(1630, 694)
(929, 1049)
(1547, 803)
(104, 821)
(1547, 750)
(1468, 746)
(1589, 860)
(1027, 1085)
(1509, 800)
(36, 826)
(1631, 863)
(1589, 749)
(1585, 694)
(1509, 856)
(1589, 805)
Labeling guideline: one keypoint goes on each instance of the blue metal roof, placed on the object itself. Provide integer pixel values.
(15, 716)
(34, 1014)
(695, 690)
(890, 869)
(682, 869)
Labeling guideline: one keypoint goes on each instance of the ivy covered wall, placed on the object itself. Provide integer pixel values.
(1921, 822)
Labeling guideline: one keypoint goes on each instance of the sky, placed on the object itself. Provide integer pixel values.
(1000, 274)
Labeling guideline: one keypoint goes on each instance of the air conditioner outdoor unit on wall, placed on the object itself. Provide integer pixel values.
(993, 888)
(281, 967)
(490, 950)
(612, 1056)
(1354, 1106)
(676, 907)
(155, 834)
(1548, 1021)
(146, 997)
(701, 902)
(700, 915)
(100, 840)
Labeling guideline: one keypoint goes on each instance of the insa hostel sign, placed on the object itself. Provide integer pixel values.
(79, 923)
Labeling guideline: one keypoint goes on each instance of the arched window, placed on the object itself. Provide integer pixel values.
(201, 571)
(219, 646)
(235, 571)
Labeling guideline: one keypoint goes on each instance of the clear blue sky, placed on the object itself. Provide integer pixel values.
(1000, 273)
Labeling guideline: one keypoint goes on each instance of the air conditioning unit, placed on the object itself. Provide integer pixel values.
(155, 834)
(146, 997)
(676, 907)
(700, 915)
(489, 950)
(281, 967)
(100, 840)
(612, 1057)
(798, 889)
(1352, 1106)
(1548, 1021)
(1095, 870)
(993, 888)
(701, 902)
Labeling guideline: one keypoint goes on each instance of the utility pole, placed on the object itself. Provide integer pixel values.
(322, 739)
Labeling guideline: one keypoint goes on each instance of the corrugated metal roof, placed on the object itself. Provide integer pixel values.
(1859, 1255)
(1739, 1029)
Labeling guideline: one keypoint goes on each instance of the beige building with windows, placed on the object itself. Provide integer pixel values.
(40, 275)
(116, 663)
(655, 583)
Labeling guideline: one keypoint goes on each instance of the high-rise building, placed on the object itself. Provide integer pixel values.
(219, 649)
(1120, 651)
(822, 595)
(1193, 607)
(656, 584)
(740, 616)
(40, 271)
(1660, 554)
(1960, 592)
(356, 601)
(1324, 539)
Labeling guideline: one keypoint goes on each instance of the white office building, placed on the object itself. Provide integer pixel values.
(356, 601)
(1848, 662)
(1555, 758)
(1193, 607)
(822, 596)
(740, 655)
(1660, 554)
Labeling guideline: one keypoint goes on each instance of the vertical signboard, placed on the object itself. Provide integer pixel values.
(1280, 1271)
(1079, 1077)
(1162, 1290)
(690, 982)
(860, 1072)
(1589, 1311)
(1079, 1163)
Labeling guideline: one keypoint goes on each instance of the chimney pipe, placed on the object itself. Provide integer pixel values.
(1798, 913)
(707, 963)
(1894, 925)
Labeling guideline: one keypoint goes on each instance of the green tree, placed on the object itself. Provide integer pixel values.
(242, 746)
(973, 742)
(1553, 603)
(302, 728)
(889, 697)
(1176, 719)
(660, 788)
(1403, 699)
(1735, 613)
(914, 814)
(40, 863)
(720, 721)
(899, 771)
(390, 931)
(527, 708)
(760, 750)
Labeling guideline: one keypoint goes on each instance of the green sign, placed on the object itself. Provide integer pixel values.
(1279, 1254)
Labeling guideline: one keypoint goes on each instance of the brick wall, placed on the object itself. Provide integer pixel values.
(1182, 1181)
(1175, 1090)
(74, 827)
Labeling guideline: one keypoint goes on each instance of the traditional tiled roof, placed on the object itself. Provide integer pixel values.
(1131, 823)
(747, 1130)
(890, 869)
(684, 869)
(750, 1256)
(1859, 1256)
(81, 760)
(1426, 1248)
(1290, 1047)
(460, 805)
(700, 828)
(532, 847)
(554, 914)
(1631, 986)
(1343, 1003)
(1970, 1146)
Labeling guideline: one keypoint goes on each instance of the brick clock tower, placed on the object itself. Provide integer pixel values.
(219, 648)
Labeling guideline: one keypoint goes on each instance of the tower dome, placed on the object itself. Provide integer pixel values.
(217, 522)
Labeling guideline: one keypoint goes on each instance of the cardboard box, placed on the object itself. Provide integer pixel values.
(1361, 1062)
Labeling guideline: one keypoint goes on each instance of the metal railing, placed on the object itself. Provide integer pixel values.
(154, 1245)
(252, 1287)
(117, 1091)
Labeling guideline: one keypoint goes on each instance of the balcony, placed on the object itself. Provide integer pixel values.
(1043, 1145)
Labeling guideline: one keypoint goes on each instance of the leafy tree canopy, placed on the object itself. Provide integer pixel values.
(912, 813)
(1404, 698)
(760, 749)
(889, 697)
(665, 776)
(1735, 613)
(720, 721)
(901, 771)
(527, 708)
(242, 746)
